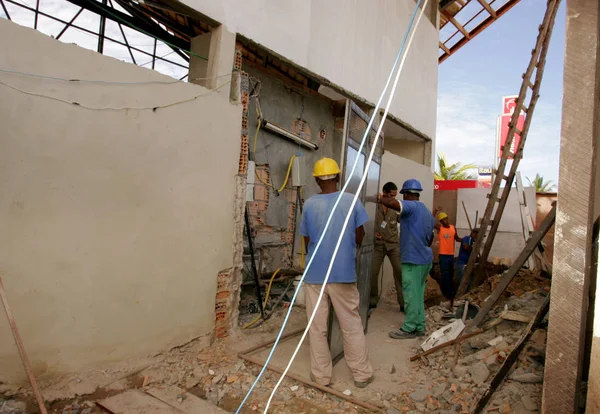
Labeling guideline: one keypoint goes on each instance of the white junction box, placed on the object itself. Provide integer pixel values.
(298, 172)
(250, 181)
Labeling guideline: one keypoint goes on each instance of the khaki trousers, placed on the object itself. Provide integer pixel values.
(345, 300)
(379, 253)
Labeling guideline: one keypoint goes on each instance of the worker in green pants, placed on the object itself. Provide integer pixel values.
(416, 235)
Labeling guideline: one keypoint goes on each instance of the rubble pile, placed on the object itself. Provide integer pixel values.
(221, 378)
(448, 383)
(524, 281)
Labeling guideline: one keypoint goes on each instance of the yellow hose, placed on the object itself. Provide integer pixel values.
(287, 177)
(259, 121)
(265, 302)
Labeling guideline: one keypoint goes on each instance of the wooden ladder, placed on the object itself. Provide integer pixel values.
(529, 92)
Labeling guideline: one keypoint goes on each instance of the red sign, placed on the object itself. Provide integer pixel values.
(453, 184)
(508, 108)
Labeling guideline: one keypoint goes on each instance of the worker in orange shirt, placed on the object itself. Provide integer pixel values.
(447, 237)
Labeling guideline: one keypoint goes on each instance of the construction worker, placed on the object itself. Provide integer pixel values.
(447, 236)
(466, 247)
(341, 288)
(416, 236)
(386, 244)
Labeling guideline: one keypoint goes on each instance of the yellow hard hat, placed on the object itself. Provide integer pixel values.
(442, 216)
(326, 167)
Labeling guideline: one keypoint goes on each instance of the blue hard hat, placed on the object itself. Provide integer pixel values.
(410, 186)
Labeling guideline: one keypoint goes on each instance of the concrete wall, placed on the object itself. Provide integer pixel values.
(351, 43)
(412, 150)
(114, 223)
(398, 169)
(509, 239)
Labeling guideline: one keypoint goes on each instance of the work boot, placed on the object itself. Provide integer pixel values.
(363, 384)
(400, 334)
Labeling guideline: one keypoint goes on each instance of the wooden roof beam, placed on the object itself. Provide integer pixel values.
(444, 48)
(488, 8)
(457, 25)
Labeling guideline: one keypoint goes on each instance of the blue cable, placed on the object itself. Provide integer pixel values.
(339, 197)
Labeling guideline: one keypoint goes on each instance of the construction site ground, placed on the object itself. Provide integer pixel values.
(430, 384)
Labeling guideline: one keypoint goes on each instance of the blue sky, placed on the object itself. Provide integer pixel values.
(473, 81)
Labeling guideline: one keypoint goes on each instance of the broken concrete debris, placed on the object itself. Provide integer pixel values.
(480, 357)
(12, 407)
(479, 373)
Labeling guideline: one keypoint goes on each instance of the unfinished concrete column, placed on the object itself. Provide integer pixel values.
(575, 217)
(213, 59)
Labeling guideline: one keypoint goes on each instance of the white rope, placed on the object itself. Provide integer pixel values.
(354, 200)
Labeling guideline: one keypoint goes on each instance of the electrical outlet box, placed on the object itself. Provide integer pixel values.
(299, 172)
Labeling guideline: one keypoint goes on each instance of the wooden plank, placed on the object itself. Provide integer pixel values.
(329, 390)
(184, 401)
(525, 217)
(574, 263)
(515, 316)
(136, 402)
(21, 348)
(511, 358)
(531, 245)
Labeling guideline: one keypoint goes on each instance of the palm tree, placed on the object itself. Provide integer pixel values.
(454, 171)
(540, 185)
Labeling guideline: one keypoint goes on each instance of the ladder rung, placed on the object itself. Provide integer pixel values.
(488, 195)
(505, 177)
(527, 81)
(518, 132)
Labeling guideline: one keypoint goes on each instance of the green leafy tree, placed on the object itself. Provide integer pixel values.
(540, 185)
(454, 171)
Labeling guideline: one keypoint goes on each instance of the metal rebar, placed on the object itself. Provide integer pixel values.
(69, 24)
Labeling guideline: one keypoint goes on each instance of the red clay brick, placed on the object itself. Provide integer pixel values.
(261, 192)
(223, 295)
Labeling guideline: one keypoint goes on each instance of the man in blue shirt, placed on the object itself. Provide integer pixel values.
(416, 235)
(341, 286)
(466, 247)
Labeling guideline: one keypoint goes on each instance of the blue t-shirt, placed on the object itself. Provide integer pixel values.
(463, 255)
(315, 214)
(416, 233)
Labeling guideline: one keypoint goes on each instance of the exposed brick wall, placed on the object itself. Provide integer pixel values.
(223, 303)
(280, 240)
(229, 280)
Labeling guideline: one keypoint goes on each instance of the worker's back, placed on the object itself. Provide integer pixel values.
(314, 218)
(416, 233)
